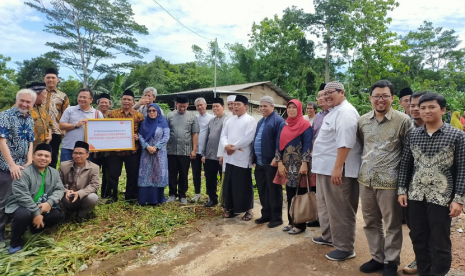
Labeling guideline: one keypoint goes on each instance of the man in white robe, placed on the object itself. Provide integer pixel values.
(236, 139)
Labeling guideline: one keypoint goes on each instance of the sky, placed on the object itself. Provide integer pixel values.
(21, 28)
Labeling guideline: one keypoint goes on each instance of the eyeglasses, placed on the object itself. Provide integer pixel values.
(151, 111)
(384, 97)
(79, 153)
(328, 93)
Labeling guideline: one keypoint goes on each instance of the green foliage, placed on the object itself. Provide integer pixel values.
(71, 87)
(34, 69)
(117, 88)
(93, 31)
(376, 49)
(8, 87)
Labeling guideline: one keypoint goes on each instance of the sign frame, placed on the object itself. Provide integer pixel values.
(112, 119)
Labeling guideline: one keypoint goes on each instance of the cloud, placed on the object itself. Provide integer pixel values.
(228, 21)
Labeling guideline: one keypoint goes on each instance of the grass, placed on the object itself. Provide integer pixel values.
(112, 229)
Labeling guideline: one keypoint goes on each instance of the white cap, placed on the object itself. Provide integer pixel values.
(231, 98)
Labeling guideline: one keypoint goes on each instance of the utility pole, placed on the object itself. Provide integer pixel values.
(214, 91)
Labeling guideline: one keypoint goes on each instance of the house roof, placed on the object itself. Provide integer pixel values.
(238, 87)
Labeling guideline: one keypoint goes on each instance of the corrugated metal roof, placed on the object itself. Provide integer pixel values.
(238, 87)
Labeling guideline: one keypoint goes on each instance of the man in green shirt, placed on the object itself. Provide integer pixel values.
(35, 197)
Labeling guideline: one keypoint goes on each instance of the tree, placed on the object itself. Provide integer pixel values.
(327, 22)
(117, 88)
(376, 49)
(227, 73)
(8, 87)
(94, 31)
(283, 55)
(34, 69)
(434, 46)
(71, 87)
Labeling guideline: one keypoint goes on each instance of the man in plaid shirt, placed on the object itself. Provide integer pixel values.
(432, 185)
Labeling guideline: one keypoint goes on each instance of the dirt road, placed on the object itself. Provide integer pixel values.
(234, 247)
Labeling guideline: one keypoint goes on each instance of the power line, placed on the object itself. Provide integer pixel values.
(180, 22)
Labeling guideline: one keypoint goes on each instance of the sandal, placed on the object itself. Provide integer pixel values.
(295, 232)
(287, 228)
(247, 216)
(228, 214)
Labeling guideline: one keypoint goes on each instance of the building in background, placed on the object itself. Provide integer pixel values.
(253, 91)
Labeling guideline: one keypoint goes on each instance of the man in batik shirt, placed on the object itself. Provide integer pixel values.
(43, 125)
(55, 104)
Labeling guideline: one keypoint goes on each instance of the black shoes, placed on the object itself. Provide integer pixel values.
(372, 266)
(210, 204)
(262, 220)
(315, 223)
(274, 224)
(390, 269)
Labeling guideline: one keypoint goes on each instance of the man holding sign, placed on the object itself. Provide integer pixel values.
(130, 158)
(74, 120)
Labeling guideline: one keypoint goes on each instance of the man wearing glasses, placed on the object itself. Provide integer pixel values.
(336, 161)
(81, 180)
(382, 132)
(73, 122)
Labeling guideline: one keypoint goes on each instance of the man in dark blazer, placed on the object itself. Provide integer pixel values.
(271, 195)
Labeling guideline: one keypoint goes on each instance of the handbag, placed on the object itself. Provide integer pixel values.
(303, 207)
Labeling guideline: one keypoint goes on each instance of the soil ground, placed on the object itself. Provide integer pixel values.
(218, 246)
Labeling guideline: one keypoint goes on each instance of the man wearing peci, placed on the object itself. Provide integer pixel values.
(55, 104)
(181, 148)
(81, 179)
(43, 125)
(101, 158)
(236, 139)
(33, 202)
(203, 118)
(264, 148)
(404, 99)
(130, 158)
(210, 152)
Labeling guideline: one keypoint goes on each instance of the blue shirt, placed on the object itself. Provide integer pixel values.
(258, 144)
(18, 130)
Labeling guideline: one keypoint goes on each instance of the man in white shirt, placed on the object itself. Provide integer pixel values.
(221, 152)
(237, 138)
(336, 161)
(203, 118)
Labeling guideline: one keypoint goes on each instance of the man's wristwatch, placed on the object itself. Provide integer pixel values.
(75, 125)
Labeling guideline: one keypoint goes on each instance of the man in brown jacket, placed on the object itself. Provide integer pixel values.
(81, 180)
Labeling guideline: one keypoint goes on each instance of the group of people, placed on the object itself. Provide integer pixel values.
(399, 165)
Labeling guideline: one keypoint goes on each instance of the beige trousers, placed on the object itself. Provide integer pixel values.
(380, 205)
(337, 210)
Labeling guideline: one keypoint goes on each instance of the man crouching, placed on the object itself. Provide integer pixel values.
(34, 198)
(81, 180)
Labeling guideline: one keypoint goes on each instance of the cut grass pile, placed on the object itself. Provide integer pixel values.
(112, 229)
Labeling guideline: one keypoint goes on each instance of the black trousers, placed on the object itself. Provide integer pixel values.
(290, 193)
(115, 166)
(55, 144)
(102, 162)
(178, 170)
(212, 169)
(271, 195)
(196, 165)
(21, 218)
(430, 233)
